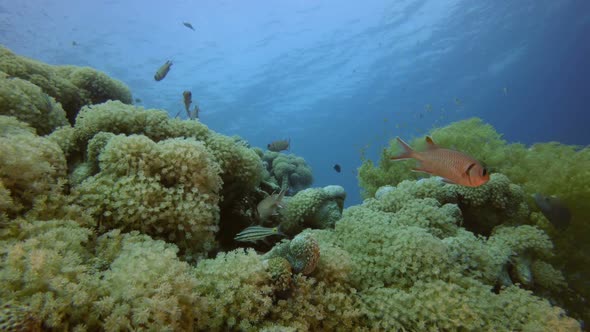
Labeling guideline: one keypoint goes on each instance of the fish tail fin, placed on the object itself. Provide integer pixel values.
(408, 152)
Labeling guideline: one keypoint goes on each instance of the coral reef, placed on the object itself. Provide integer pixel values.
(31, 167)
(72, 87)
(314, 208)
(281, 166)
(110, 224)
(169, 190)
(302, 253)
(28, 103)
(545, 168)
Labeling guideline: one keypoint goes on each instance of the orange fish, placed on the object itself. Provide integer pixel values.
(453, 166)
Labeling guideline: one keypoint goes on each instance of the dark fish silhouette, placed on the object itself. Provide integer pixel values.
(280, 145)
(163, 71)
(187, 98)
(188, 25)
(337, 168)
(137, 100)
(554, 210)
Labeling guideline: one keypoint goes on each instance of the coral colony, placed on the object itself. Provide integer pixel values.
(116, 217)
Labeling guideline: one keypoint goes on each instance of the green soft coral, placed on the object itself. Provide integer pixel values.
(237, 289)
(169, 190)
(73, 87)
(31, 169)
(30, 104)
(145, 285)
(289, 167)
(302, 253)
(44, 269)
(241, 168)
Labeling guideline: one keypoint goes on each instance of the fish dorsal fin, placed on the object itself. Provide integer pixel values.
(430, 143)
(469, 168)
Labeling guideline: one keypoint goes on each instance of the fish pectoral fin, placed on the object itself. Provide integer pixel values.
(421, 170)
(447, 181)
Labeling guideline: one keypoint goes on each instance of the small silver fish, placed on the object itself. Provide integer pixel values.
(256, 233)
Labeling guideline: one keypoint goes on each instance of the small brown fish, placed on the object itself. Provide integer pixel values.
(187, 96)
(453, 166)
(268, 206)
(163, 71)
(280, 145)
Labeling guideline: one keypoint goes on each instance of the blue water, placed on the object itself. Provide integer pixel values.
(334, 76)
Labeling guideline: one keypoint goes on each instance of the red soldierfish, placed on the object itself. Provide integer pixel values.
(453, 166)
